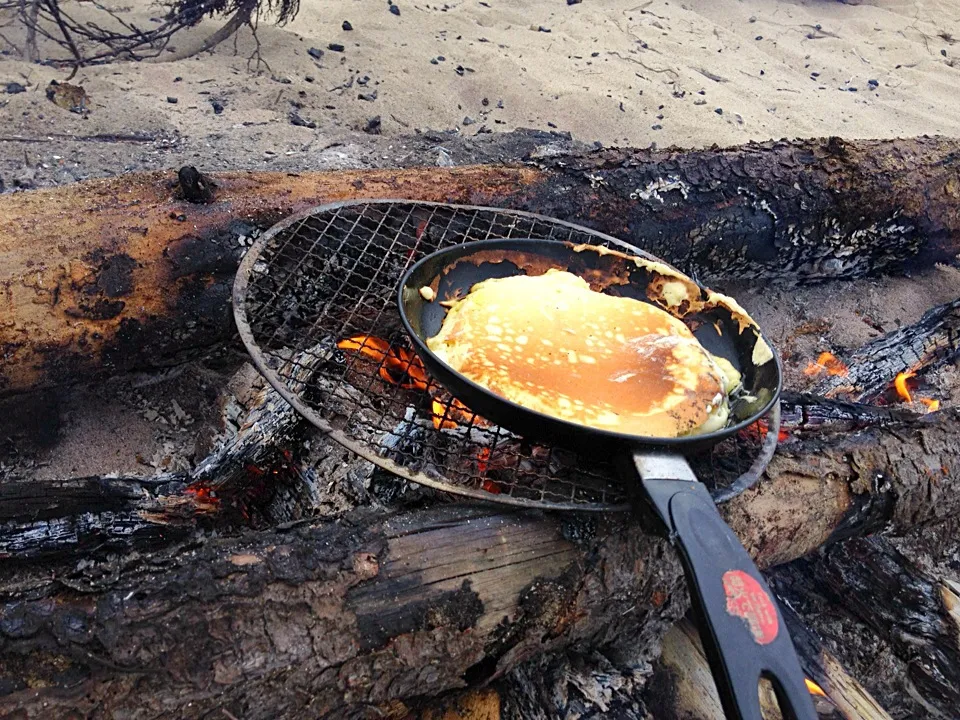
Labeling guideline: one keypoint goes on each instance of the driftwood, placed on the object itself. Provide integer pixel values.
(123, 273)
(333, 618)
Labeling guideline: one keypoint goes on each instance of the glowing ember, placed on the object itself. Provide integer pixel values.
(903, 391)
(814, 688)
(483, 456)
(204, 496)
(398, 366)
(490, 486)
(758, 431)
(826, 363)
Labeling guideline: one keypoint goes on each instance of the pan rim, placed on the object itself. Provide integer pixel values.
(625, 439)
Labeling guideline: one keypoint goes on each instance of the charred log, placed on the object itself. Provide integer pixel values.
(329, 619)
(920, 347)
(805, 413)
(119, 274)
(80, 515)
(838, 693)
(827, 488)
(804, 210)
(822, 485)
(892, 605)
(231, 487)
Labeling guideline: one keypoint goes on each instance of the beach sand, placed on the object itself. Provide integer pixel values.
(626, 73)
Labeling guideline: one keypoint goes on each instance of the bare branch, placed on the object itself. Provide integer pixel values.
(106, 36)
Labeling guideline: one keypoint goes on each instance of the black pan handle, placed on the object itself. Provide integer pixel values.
(742, 630)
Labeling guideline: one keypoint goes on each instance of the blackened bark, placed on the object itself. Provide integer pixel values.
(326, 620)
(801, 210)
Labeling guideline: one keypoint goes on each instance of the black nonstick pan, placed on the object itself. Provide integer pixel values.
(742, 630)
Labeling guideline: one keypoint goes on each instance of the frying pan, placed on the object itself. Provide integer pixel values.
(741, 628)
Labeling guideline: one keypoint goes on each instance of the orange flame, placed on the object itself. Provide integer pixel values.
(826, 363)
(398, 366)
(903, 390)
(900, 383)
(441, 416)
(814, 688)
(447, 414)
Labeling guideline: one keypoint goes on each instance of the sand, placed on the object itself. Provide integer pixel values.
(619, 73)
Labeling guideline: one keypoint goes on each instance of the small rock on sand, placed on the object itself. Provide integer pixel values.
(295, 119)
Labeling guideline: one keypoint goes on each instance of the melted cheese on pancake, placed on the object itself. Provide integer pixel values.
(553, 345)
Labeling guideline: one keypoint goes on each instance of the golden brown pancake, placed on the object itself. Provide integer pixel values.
(551, 344)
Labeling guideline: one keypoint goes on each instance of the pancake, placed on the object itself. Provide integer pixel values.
(553, 345)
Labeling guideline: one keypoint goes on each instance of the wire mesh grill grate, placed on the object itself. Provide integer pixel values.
(330, 275)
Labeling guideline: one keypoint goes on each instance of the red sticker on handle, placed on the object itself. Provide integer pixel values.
(747, 600)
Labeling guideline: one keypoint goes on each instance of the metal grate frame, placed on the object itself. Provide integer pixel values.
(331, 273)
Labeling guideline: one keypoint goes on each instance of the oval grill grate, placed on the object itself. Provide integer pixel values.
(330, 275)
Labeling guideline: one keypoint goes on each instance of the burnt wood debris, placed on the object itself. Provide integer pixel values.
(208, 592)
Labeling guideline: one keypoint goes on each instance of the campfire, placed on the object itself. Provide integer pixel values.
(237, 545)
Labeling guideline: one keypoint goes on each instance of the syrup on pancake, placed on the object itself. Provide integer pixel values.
(551, 344)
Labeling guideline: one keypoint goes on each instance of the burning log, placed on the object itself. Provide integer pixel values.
(892, 603)
(94, 512)
(875, 368)
(125, 273)
(72, 516)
